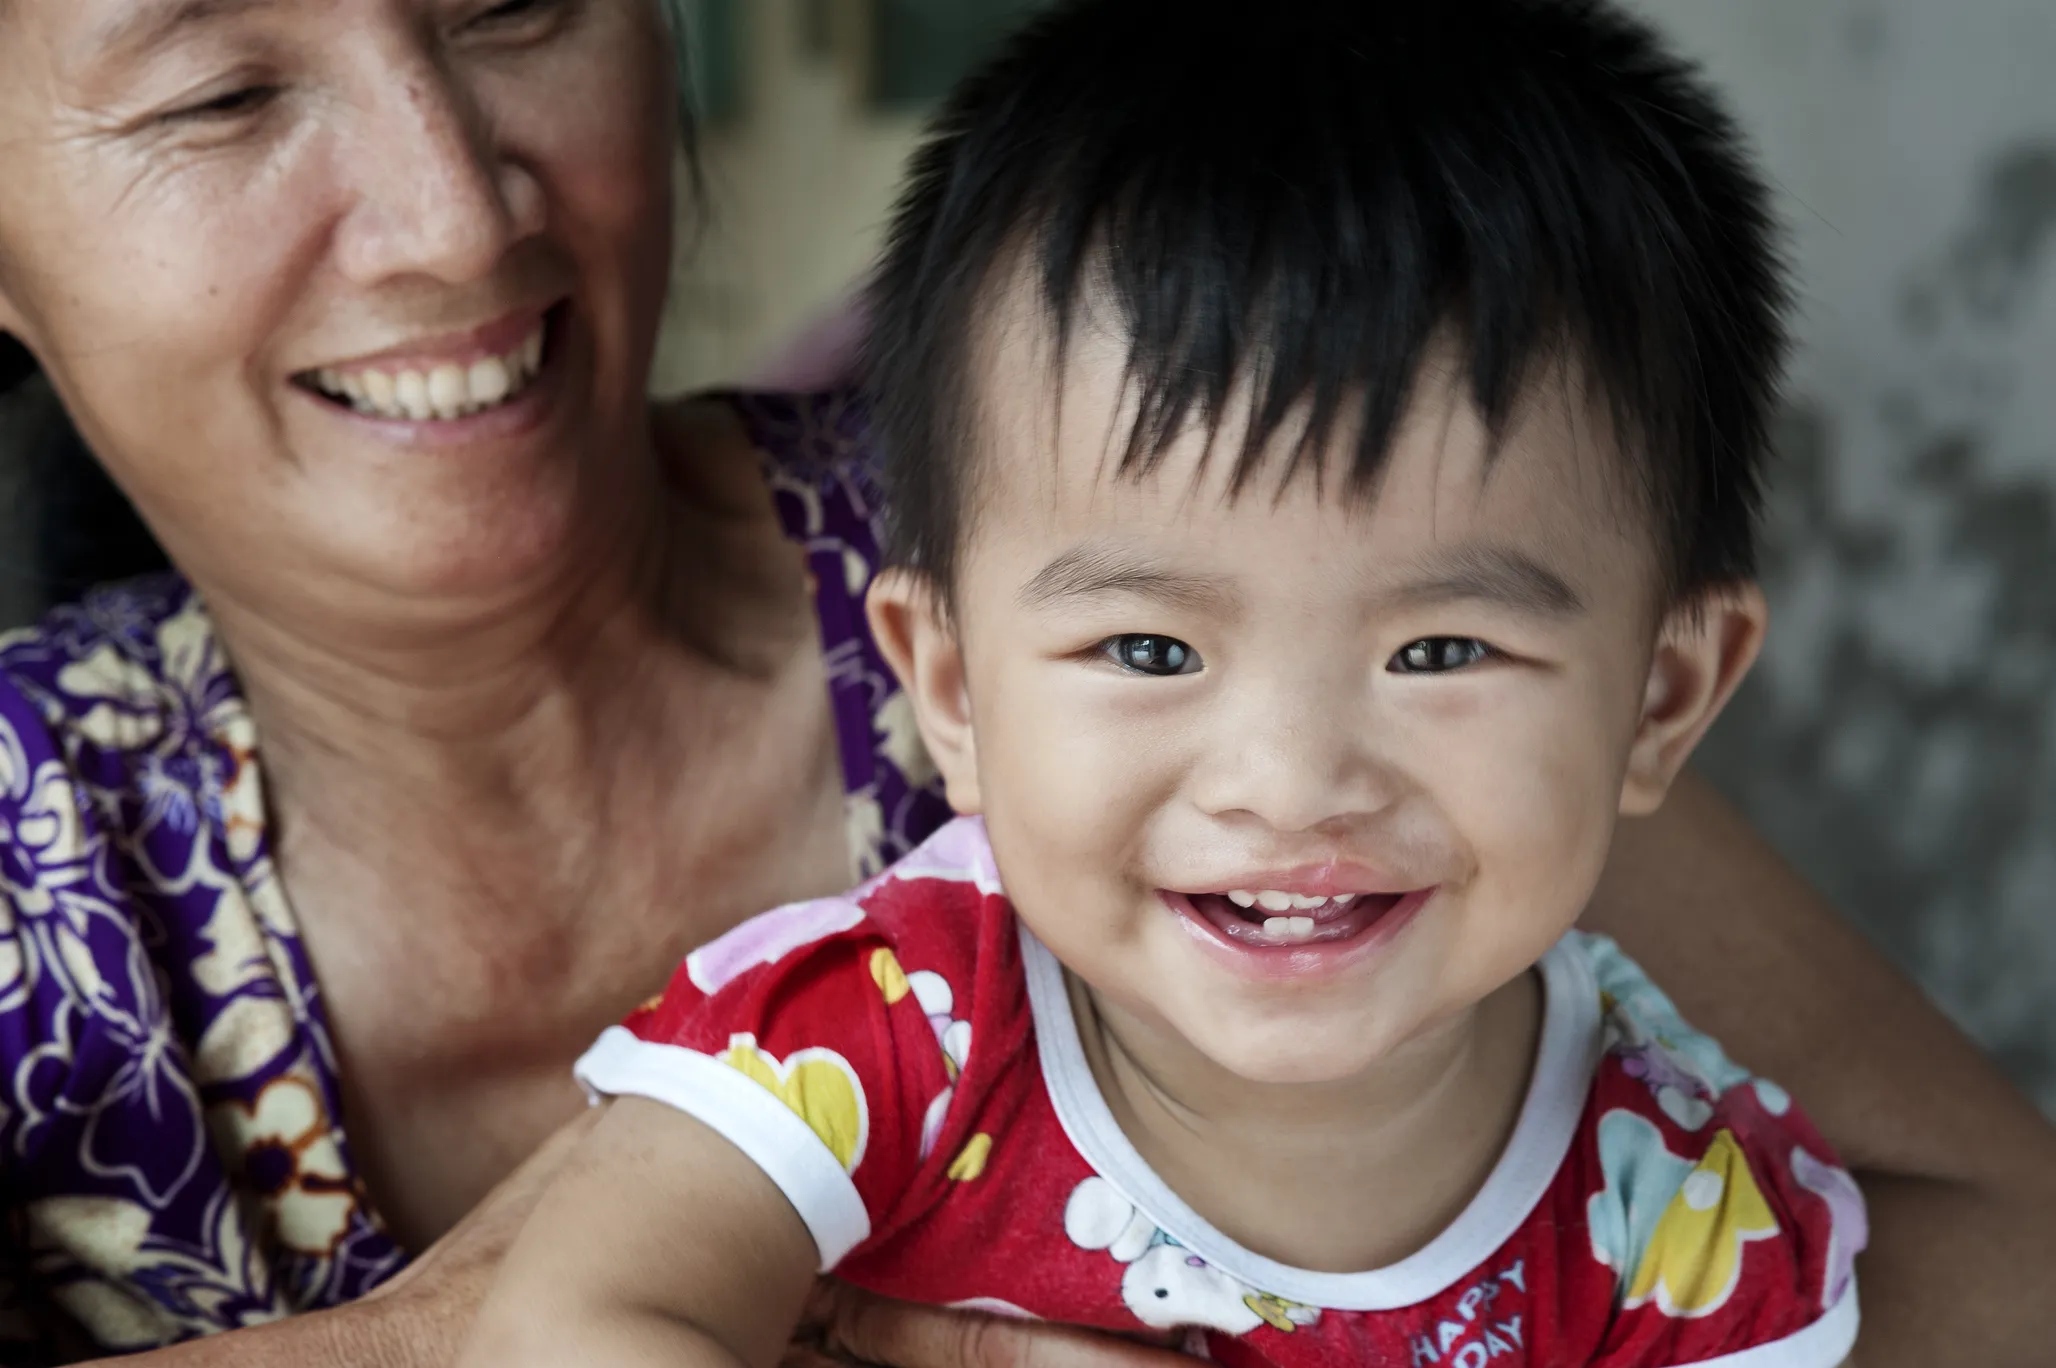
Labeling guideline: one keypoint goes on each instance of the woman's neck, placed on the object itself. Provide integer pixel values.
(1341, 1177)
(521, 715)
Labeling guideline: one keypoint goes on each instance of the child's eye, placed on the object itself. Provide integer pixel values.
(1151, 655)
(1434, 655)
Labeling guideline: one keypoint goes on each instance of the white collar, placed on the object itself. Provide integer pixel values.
(1566, 1056)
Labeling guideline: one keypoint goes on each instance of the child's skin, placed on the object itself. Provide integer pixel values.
(1331, 1104)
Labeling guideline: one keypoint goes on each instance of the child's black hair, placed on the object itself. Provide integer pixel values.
(1302, 195)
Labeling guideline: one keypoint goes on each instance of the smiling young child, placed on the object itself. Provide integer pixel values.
(1324, 441)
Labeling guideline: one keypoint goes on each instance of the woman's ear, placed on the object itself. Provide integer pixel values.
(911, 625)
(1704, 650)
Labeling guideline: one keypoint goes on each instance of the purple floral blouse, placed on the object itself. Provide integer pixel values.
(173, 1151)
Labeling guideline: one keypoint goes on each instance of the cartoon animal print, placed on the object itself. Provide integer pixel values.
(1164, 1284)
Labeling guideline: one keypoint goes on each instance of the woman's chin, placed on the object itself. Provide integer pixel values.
(446, 557)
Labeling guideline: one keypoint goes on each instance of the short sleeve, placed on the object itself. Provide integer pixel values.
(801, 1039)
(1728, 1223)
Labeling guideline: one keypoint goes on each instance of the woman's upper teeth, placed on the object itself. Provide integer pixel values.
(444, 391)
(1271, 900)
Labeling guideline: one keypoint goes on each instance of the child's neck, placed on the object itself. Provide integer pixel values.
(1340, 1177)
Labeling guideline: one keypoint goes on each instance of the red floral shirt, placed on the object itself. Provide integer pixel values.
(903, 1063)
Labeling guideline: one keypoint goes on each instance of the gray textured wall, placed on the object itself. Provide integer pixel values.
(1899, 740)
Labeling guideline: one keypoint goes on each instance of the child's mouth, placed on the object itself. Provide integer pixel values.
(1271, 920)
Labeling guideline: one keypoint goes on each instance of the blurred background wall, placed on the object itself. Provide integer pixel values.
(1899, 741)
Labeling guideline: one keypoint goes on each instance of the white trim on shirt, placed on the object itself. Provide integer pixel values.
(1566, 1057)
(748, 1116)
(1824, 1344)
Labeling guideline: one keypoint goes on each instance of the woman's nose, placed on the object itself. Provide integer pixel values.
(434, 193)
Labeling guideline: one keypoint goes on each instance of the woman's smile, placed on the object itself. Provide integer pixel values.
(443, 379)
(495, 382)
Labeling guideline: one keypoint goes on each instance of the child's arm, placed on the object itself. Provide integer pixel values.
(660, 1243)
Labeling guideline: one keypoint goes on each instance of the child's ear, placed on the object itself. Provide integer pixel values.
(1702, 653)
(914, 634)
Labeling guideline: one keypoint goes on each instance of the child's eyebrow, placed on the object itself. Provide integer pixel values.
(1096, 570)
(1489, 574)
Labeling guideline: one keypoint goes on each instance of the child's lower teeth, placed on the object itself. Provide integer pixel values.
(1289, 928)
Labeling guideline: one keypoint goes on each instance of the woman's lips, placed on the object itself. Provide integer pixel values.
(491, 369)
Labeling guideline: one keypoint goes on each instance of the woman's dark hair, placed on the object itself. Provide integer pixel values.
(81, 529)
(16, 365)
(1302, 196)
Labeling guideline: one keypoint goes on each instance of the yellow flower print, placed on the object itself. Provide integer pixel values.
(970, 1161)
(889, 976)
(1694, 1255)
(1281, 1315)
(818, 1085)
(938, 1002)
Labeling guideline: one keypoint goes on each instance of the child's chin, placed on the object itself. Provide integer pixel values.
(1307, 1054)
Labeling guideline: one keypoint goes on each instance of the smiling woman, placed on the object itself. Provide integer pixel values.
(483, 691)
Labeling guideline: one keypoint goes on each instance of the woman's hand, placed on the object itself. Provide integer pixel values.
(416, 1320)
(844, 1325)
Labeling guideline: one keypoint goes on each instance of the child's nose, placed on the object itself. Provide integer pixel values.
(1295, 764)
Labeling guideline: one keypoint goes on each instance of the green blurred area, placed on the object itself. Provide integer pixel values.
(920, 47)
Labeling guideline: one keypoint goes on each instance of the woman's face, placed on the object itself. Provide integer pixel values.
(289, 261)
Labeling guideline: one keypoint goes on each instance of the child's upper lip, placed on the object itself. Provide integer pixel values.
(1328, 879)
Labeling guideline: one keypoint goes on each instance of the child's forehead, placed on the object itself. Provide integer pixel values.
(1057, 437)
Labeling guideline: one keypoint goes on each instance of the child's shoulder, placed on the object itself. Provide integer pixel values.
(1652, 1060)
(939, 910)
(1715, 1202)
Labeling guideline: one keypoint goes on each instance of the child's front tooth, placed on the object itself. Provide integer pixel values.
(1278, 926)
(1242, 897)
(1307, 904)
(1272, 901)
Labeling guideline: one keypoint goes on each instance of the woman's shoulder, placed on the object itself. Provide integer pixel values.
(158, 1016)
(818, 438)
(125, 750)
(132, 670)
(817, 453)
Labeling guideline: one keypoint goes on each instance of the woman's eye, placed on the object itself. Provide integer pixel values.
(1152, 655)
(1435, 655)
(514, 11)
(232, 104)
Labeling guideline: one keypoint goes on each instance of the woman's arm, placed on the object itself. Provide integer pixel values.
(421, 1317)
(417, 1320)
(1959, 1169)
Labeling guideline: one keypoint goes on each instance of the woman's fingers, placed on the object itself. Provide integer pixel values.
(844, 1325)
